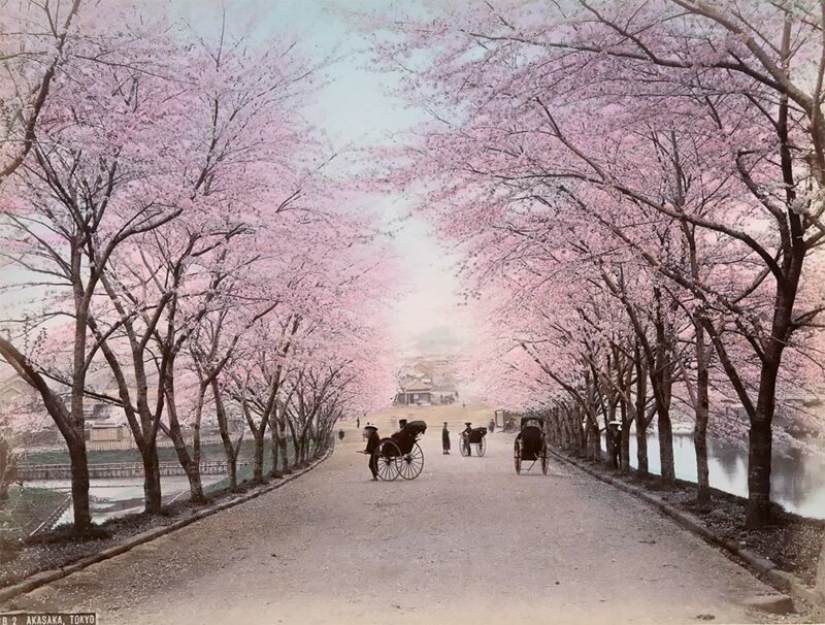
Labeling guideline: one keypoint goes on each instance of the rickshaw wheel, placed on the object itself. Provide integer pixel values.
(464, 446)
(517, 458)
(411, 464)
(482, 447)
(387, 453)
(545, 463)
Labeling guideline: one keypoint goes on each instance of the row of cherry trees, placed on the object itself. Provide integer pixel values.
(167, 223)
(637, 187)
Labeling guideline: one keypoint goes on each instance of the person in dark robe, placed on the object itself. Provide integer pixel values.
(372, 444)
(445, 439)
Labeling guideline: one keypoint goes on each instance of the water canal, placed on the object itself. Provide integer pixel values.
(797, 476)
(122, 496)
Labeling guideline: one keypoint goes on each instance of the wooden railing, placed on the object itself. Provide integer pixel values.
(32, 472)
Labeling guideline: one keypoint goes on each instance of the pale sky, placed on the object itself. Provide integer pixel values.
(355, 110)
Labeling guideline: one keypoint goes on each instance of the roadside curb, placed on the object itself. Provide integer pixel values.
(45, 577)
(763, 569)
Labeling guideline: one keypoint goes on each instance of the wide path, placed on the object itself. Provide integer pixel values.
(469, 541)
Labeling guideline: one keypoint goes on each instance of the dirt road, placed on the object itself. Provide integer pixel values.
(469, 541)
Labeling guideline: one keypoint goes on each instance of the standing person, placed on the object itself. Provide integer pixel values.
(466, 436)
(445, 439)
(358, 422)
(492, 426)
(372, 444)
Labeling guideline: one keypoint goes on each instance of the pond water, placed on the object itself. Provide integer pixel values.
(797, 477)
(122, 496)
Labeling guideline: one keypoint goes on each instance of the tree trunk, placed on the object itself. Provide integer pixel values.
(151, 479)
(759, 474)
(193, 474)
(666, 448)
(700, 441)
(296, 445)
(190, 466)
(226, 438)
(625, 453)
(641, 416)
(258, 463)
(642, 466)
(282, 442)
(275, 446)
(661, 380)
(80, 486)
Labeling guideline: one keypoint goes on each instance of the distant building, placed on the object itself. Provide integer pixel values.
(427, 381)
(414, 392)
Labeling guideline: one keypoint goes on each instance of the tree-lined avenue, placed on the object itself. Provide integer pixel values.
(468, 541)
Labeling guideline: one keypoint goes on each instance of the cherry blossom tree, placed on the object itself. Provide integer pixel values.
(571, 108)
(74, 203)
(33, 40)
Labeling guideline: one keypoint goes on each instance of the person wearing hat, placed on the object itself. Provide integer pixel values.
(372, 444)
(445, 440)
(466, 435)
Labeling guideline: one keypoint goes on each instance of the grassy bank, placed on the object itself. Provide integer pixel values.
(245, 473)
(25, 509)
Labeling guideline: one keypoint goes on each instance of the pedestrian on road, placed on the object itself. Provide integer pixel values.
(492, 426)
(445, 440)
(341, 434)
(372, 444)
(466, 437)
(358, 422)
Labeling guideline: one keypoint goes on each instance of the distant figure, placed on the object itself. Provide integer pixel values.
(492, 427)
(358, 422)
(465, 435)
(372, 444)
(445, 439)
(341, 434)
(463, 405)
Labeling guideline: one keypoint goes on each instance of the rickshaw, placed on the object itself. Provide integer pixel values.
(400, 453)
(530, 444)
(474, 436)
